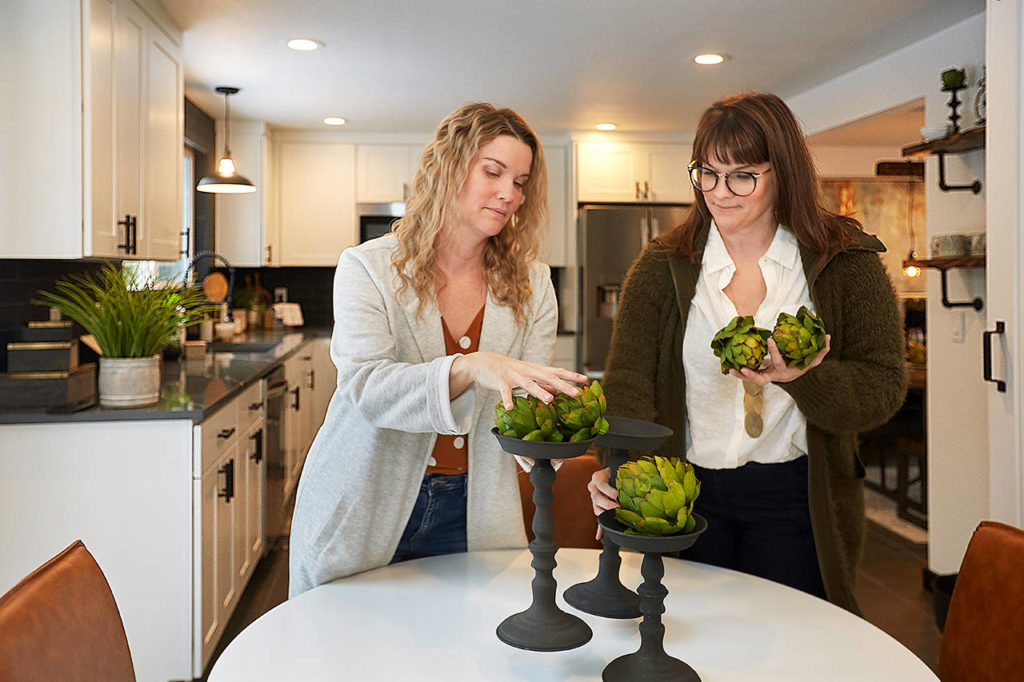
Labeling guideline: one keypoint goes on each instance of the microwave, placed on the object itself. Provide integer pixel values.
(375, 220)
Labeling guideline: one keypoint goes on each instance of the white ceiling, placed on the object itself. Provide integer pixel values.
(402, 65)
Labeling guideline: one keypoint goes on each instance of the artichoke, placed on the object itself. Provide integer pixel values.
(799, 337)
(656, 495)
(565, 419)
(740, 344)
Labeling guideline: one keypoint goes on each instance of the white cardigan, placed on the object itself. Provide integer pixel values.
(363, 472)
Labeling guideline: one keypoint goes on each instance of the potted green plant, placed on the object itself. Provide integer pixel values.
(132, 318)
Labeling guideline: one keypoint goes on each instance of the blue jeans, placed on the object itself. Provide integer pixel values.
(759, 523)
(438, 521)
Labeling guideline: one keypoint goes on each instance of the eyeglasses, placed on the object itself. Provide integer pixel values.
(740, 183)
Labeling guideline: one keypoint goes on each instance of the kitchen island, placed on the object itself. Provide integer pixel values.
(168, 498)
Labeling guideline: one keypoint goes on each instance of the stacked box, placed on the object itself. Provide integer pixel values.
(72, 389)
(42, 356)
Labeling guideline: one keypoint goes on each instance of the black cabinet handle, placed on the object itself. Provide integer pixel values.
(127, 223)
(257, 438)
(226, 433)
(229, 480)
(135, 235)
(255, 406)
(312, 379)
(986, 358)
(296, 392)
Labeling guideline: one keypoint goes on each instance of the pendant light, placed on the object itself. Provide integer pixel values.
(226, 180)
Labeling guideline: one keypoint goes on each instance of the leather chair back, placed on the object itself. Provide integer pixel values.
(573, 514)
(984, 636)
(61, 623)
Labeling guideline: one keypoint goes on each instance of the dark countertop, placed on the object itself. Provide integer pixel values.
(191, 389)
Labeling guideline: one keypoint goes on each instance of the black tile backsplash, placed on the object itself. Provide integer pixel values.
(310, 287)
(20, 280)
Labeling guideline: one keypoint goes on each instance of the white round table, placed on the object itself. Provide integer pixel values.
(434, 619)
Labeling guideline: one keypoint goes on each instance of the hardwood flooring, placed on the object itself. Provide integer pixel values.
(890, 588)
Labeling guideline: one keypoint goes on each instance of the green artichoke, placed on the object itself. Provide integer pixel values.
(740, 344)
(656, 495)
(565, 419)
(799, 337)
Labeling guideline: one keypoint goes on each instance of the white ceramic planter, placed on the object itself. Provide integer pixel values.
(129, 382)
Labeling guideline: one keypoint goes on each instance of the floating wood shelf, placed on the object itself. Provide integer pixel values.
(964, 141)
(944, 263)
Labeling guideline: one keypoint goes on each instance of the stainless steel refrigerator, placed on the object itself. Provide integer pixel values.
(609, 237)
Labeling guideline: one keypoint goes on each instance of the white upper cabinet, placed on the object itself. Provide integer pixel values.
(630, 172)
(247, 223)
(106, 131)
(384, 172)
(557, 247)
(317, 215)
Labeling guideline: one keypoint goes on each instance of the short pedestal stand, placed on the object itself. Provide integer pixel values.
(543, 626)
(605, 595)
(650, 662)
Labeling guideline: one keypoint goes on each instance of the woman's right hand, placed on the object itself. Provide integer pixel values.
(504, 374)
(603, 494)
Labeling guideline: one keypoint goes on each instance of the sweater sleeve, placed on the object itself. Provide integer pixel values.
(631, 368)
(861, 383)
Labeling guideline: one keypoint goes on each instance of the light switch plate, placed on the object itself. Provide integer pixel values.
(280, 294)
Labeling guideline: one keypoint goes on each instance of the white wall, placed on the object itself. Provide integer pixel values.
(958, 475)
(851, 162)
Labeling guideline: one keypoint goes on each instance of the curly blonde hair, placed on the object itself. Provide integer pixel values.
(443, 170)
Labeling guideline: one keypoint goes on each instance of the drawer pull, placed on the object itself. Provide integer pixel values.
(226, 433)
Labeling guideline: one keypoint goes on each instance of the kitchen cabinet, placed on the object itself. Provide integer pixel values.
(106, 131)
(298, 430)
(633, 172)
(558, 246)
(247, 229)
(384, 172)
(317, 213)
(325, 376)
(230, 494)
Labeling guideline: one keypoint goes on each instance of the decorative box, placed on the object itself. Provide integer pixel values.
(42, 356)
(72, 390)
(48, 330)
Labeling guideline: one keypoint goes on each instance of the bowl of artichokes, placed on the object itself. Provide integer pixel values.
(564, 428)
(656, 497)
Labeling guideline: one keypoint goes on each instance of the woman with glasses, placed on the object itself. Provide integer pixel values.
(775, 448)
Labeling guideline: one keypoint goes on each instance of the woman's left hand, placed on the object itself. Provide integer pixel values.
(774, 369)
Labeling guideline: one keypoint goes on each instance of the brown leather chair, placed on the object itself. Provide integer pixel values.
(61, 623)
(984, 636)
(575, 523)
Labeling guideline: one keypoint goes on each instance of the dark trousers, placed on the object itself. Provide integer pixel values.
(437, 524)
(759, 523)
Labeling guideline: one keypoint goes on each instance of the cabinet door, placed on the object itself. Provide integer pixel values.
(294, 427)
(129, 111)
(271, 250)
(383, 172)
(217, 569)
(105, 235)
(326, 380)
(159, 224)
(554, 249)
(248, 541)
(666, 173)
(607, 172)
(317, 202)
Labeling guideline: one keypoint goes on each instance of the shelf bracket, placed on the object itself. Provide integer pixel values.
(974, 186)
(977, 303)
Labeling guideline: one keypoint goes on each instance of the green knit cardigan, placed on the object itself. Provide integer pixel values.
(860, 384)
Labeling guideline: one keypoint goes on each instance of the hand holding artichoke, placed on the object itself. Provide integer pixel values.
(565, 419)
(657, 496)
(740, 344)
(799, 337)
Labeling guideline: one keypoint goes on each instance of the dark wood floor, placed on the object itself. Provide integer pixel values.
(890, 588)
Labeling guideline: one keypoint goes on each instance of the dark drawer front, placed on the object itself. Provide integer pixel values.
(42, 356)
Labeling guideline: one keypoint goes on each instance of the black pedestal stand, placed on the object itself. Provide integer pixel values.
(605, 595)
(543, 626)
(650, 662)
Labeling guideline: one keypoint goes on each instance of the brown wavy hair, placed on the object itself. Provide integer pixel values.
(443, 170)
(755, 128)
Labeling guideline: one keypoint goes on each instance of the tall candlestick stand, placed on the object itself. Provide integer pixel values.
(650, 662)
(605, 595)
(543, 626)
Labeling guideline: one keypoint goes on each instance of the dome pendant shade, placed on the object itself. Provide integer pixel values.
(226, 180)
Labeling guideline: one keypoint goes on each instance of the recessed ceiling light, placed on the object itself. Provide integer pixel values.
(334, 121)
(606, 126)
(304, 44)
(710, 58)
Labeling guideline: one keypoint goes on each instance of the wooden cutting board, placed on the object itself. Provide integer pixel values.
(215, 286)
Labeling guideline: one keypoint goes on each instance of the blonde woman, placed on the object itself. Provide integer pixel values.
(434, 323)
